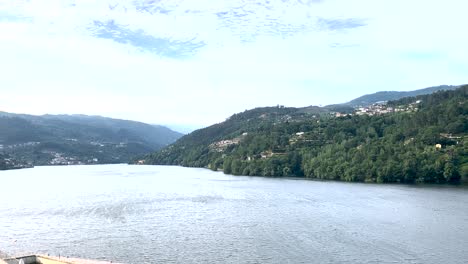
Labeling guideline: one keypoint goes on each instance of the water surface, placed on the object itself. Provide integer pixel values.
(157, 214)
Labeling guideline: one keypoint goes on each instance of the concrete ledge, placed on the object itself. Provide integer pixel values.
(38, 259)
(26, 259)
(56, 260)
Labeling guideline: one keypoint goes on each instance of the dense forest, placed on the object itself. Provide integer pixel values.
(426, 145)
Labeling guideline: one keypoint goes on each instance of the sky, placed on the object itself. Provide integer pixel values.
(192, 63)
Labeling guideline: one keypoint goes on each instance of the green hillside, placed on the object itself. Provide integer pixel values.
(78, 139)
(424, 142)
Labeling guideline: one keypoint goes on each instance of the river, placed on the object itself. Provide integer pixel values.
(158, 214)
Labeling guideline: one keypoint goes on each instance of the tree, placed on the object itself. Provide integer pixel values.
(450, 172)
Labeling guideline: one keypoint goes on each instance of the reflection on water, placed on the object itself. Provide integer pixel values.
(153, 214)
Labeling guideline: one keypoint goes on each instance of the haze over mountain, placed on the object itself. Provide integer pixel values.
(78, 139)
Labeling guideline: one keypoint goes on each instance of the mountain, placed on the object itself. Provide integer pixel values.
(370, 99)
(155, 135)
(78, 139)
(414, 139)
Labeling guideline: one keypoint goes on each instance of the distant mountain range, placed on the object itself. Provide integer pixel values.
(27, 140)
(370, 99)
(78, 139)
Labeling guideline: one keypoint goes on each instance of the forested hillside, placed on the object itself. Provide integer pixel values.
(427, 144)
(78, 139)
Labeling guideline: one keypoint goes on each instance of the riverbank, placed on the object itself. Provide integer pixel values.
(461, 183)
(17, 168)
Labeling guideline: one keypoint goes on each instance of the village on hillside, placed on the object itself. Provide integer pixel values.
(381, 108)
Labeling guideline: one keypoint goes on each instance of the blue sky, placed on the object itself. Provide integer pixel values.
(196, 62)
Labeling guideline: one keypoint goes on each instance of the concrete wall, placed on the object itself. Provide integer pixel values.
(46, 260)
(39, 259)
(33, 260)
(26, 260)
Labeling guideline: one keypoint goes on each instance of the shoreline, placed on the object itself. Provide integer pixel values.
(415, 184)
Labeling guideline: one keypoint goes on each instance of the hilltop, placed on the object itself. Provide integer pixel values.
(369, 99)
